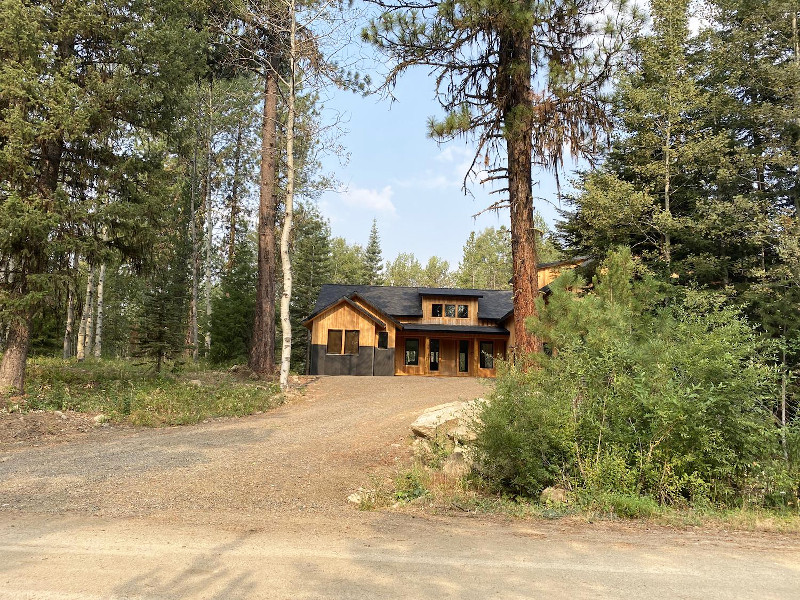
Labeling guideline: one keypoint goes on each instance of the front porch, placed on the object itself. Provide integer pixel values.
(442, 354)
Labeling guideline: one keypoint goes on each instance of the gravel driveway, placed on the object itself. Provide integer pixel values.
(307, 455)
(256, 508)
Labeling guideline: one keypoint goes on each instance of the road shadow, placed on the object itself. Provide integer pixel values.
(207, 576)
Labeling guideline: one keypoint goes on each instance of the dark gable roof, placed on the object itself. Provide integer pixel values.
(407, 301)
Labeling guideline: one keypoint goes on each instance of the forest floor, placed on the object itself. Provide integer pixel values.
(256, 507)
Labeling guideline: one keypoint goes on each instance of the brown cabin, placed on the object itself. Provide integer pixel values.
(381, 330)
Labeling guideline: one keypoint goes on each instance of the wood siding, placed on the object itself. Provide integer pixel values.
(448, 354)
(429, 301)
(343, 317)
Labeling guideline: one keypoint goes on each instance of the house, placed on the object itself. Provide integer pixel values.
(381, 330)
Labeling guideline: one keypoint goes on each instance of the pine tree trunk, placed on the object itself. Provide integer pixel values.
(98, 336)
(514, 76)
(286, 263)
(262, 351)
(87, 308)
(234, 198)
(90, 322)
(68, 330)
(209, 224)
(12, 367)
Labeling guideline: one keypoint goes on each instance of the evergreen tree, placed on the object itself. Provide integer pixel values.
(234, 305)
(522, 78)
(348, 264)
(373, 257)
(312, 264)
(88, 88)
(161, 324)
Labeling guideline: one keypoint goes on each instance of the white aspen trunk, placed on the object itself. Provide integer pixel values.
(90, 322)
(98, 335)
(209, 225)
(87, 309)
(193, 332)
(667, 177)
(234, 199)
(286, 295)
(68, 330)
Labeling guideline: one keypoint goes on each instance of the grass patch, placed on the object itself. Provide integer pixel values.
(127, 392)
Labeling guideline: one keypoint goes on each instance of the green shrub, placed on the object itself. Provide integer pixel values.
(410, 485)
(649, 391)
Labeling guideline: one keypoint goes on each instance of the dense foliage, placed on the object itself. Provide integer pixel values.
(647, 389)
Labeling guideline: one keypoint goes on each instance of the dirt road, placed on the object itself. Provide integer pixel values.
(255, 508)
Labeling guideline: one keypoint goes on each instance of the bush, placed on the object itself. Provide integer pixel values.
(648, 392)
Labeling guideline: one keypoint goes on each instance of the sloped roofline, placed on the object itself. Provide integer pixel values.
(382, 313)
(346, 300)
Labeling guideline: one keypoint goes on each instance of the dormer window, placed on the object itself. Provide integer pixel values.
(436, 310)
(463, 311)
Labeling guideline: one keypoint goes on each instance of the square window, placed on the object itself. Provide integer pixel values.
(412, 352)
(449, 310)
(487, 355)
(334, 341)
(436, 310)
(383, 339)
(463, 311)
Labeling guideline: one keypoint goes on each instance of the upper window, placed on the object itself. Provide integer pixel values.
(334, 341)
(383, 339)
(351, 341)
(463, 311)
(487, 355)
(436, 310)
(412, 351)
(449, 310)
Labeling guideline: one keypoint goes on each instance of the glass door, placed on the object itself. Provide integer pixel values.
(434, 355)
(463, 356)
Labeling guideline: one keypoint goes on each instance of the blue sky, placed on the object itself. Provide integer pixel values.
(406, 181)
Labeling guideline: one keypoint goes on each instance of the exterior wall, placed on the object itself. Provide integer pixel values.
(343, 317)
(370, 359)
(323, 363)
(428, 301)
(512, 337)
(448, 351)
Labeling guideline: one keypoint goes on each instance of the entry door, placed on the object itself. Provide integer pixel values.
(447, 357)
(463, 356)
(433, 363)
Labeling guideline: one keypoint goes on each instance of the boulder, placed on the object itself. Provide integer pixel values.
(445, 418)
(100, 419)
(554, 495)
(462, 434)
